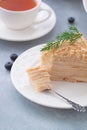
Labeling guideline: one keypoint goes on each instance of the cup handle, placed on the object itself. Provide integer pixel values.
(46, 18)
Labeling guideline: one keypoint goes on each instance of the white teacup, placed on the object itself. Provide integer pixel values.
(85, 4)
(22, 19)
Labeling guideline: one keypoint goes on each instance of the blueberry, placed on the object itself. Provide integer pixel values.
(71, 19)
(13, 57)
(8, 65)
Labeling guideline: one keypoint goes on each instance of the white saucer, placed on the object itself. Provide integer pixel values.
(31, 33)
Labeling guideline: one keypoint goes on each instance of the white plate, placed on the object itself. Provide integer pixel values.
(77, 92)
(31, 33)
(85, 5)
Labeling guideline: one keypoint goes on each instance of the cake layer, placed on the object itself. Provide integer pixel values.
(39, 78)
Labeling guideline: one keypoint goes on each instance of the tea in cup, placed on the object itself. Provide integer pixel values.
(20, 14)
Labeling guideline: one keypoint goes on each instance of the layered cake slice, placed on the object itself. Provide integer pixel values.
(64, 59)
(68, 62)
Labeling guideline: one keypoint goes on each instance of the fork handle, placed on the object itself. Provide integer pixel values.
(74, 105)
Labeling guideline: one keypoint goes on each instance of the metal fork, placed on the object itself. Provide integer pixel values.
(74, 105)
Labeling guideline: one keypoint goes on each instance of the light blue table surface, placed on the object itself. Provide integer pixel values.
(18, 113)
